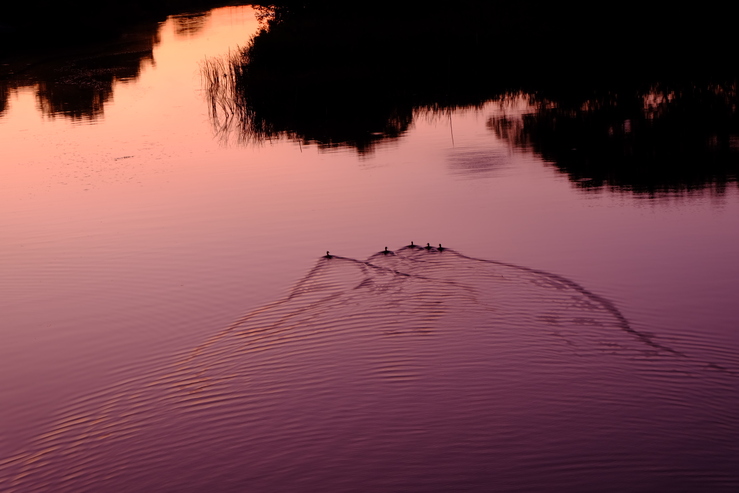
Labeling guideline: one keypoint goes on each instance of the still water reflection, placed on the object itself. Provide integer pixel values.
(78, 83)
(136, 242)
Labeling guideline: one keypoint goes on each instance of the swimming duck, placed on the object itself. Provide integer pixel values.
(441, 248)
(328, 255)
(428, 246)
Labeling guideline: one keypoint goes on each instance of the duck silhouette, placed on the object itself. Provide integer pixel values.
(428, 246)
(328, 255)
(386, 251)
(441, 248)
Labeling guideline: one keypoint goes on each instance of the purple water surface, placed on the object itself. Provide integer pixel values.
(169, 324)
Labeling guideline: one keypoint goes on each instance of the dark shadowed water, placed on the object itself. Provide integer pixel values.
(170, 323)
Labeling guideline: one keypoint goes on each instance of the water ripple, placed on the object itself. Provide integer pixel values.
(421, 370)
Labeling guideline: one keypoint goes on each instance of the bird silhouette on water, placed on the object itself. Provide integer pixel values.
(386, 251)
(428, 246)
(441, 248)
(328, 255)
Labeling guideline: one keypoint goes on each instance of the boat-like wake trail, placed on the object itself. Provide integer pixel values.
(419, 369)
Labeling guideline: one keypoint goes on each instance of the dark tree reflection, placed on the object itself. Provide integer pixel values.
(74, 53)
(327, 115)
(341, 75)
(76, 83)
(80, 89)
(333, 74)
(658, 141)
(4, 94)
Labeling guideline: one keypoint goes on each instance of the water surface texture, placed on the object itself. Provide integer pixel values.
(419, 369)
(170, 322)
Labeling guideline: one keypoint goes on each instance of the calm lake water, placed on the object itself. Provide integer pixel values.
(169, 322)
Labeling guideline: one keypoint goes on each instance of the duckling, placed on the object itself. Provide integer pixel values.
(441, 248)
(386, 251)
(428, 246)
(328, 255)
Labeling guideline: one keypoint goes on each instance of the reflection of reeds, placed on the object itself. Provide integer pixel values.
(250, 110)
(232, 114)
(226, 107)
